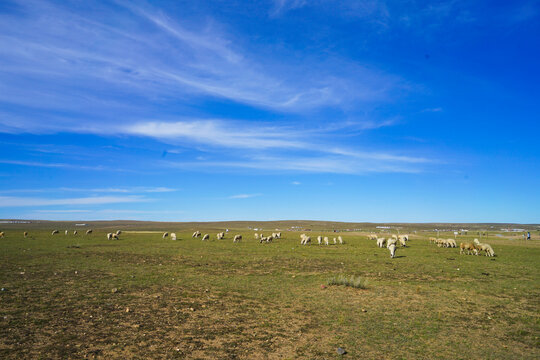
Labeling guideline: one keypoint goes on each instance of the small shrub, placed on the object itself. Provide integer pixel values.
(352, 280)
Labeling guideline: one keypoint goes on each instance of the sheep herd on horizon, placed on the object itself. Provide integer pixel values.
(473, 248)
(391, 243)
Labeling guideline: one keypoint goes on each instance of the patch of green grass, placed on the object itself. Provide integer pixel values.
(354, 281)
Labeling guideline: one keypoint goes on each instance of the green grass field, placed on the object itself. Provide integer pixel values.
(74, 297)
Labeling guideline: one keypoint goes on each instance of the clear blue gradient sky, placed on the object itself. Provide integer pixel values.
(259, 110)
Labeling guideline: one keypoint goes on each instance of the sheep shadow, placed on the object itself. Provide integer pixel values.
(399, 256)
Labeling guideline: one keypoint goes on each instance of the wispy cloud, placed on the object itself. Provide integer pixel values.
(296, 183)
(308, 164)
(131, 190)
(153, 59)
(12, 201)
(243, 196)
(221, 133)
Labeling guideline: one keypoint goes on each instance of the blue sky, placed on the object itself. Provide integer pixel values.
(264, 110)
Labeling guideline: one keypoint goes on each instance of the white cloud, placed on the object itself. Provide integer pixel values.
(243, 196)
(12, 201)
(296, 183)
(229, 134)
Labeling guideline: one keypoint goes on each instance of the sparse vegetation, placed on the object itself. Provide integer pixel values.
(190, 299)
(353, 281)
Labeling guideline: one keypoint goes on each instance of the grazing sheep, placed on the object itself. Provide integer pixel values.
(55, 232)
(372, 237)
(1, 234)
(256, 236)
(114, 236)
(335, 241)
(391, 241)
(118, 232)
(402, 242)
(88, 232)
(487, 249)
(165, 234)
(305, 239)
(65, 232)
(237, 238)
(173, 236)
(75, 232)
(394, 236)
(326, 242)
(319, 239)
(270, 238)
(205, 237)
(196, 234)
(451, 243)
(470, 248)
(392, 248)
(278, 235)
(432, 239)
(340, 239)
(25, 234)
(109, 236)
(381, 242)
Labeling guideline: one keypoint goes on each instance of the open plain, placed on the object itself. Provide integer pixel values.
(143, 296)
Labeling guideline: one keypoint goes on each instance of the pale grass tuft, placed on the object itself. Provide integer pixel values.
(352, 281)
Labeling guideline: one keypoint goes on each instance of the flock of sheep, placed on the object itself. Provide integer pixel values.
(470, 248)
(391, 243)
(304, 240)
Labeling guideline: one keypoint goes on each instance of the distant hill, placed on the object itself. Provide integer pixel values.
(300, 225)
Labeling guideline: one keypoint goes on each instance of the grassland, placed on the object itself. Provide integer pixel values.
(142, 296)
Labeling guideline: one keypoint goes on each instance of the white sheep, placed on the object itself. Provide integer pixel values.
(75, 232)
(88, 232)
(451, 243)
(335, 241)
(340, 239)
(319, 239)
(118, 232)
(262, 239)
(66, 232)
(25, 234)
(305, 239)
(278, 235)
(237, 238)
(391, 241)
(205, 237)
(114, 236)
(326, 242)
(392, 248)
(256, 236)
(196, 234)
(402, 242)
(173, 236)
(1, 234)
(372, 237)
(487, 249)
(165, 234)
(270, 238)
(55, 232)
(381, 242)
(109, 236)
(394, 236)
